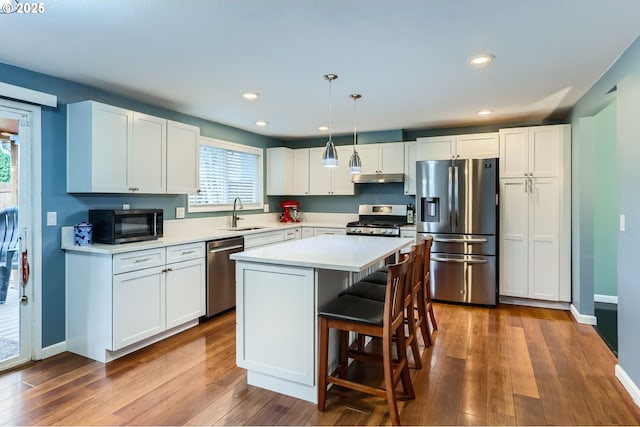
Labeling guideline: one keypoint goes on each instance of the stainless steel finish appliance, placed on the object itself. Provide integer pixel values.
(379, 220)
(114, 226)
(221, 274)
(457, 204)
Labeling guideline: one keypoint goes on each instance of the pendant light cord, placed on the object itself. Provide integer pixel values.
(330, 109)
(355, 98)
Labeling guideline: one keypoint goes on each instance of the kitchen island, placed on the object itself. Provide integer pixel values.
(278, 291)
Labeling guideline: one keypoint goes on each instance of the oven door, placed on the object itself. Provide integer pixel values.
(463, 278)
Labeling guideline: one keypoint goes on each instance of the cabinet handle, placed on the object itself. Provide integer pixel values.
(187, 252)
(166, 270)
(143, 260)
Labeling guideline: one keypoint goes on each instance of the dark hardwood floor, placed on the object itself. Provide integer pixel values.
(505, 366)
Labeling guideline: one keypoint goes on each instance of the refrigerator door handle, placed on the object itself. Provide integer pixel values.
(450, 190)
(458, 260)
(456, 195)
(447, 240)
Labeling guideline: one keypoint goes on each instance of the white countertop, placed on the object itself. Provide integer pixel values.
(331, 252)
(183, 236)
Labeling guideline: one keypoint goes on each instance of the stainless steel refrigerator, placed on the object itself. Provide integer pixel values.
(457, 204)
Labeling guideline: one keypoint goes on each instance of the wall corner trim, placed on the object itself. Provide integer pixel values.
(54, 349)
(628, 384)
(28, 95)
(583, 318)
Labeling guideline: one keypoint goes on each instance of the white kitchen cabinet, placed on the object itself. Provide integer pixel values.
(280, 165)
(385, 157)
(319, 231)
(119, 303)
(183, 158)
(470, 146)
(294, 233)
(300, 172)
(410, 148)
(330, 181)
(264, 238)
(114, 150)
(535, 214)
(307, 232)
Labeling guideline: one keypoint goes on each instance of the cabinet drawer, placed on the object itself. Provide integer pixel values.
(321, 231)
(185, 252)
(262, 239)
(138, 260)
(292, 233)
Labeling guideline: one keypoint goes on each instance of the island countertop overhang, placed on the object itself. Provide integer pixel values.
(331, 252)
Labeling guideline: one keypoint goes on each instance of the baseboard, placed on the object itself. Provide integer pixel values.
(556, 305)
(628, 384)
(611, 299)
(54, 349)
(583, 318)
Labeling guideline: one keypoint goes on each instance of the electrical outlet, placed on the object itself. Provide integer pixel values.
(622, 222)
(266, 207)
(52, 219)
(180, 213)
(125, 207)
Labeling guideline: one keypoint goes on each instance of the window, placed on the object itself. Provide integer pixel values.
(227, 171)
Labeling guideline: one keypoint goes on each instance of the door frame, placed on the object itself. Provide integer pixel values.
(30, 201)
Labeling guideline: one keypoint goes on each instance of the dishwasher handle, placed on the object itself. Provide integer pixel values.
(225, 248)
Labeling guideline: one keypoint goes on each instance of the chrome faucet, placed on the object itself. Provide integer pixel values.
(234, 218)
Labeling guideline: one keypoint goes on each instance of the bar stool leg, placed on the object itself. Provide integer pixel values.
(324, 361)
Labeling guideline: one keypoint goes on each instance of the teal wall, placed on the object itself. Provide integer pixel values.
(605, 203)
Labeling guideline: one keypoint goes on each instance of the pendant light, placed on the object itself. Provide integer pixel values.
(355, 164)
(330, 155)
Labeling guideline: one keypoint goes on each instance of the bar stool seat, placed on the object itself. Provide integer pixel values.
(369, 290)
(354, 309)
(379, 277)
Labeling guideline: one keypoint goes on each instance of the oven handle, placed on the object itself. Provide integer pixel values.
(449, 240)
(458, 260)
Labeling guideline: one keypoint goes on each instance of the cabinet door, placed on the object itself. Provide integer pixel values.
(514, 235)
(514, 152)
(147, 163)
(369, 156)
(342, 184)
(391, 157)
(436, 148)
(183, 158)
(279, 171)
(545, 151)
(544, 240)
(112, 132)
(410, 167)
(307, 232)
(185, 283)
(138, 306)
(319, 231)
(301, 172)
(319, 177)
(478, 146)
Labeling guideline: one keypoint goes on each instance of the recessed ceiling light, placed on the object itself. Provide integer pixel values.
(480, 60)
(250, 96)
(484, 112)
(261, 123)
(323, 128)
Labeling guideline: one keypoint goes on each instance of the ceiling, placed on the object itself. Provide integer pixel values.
(407, 58)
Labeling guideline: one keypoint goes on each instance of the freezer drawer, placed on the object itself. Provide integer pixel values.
(469, 244)
(463, 278)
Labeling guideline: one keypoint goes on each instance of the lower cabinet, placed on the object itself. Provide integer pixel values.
(318, 231)
(119, 303)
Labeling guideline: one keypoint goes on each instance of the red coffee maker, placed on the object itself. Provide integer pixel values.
(290, 210)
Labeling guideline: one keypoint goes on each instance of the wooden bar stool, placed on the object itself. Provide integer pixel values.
(348, 313)
(428, 303)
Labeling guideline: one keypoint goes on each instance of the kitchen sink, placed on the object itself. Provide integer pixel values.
(243, 228)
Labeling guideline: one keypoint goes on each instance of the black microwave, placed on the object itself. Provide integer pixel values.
(125, 226)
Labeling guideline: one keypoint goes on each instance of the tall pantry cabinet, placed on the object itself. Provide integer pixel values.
(535, 212)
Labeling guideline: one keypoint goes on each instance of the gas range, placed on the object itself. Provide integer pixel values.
(379, 220)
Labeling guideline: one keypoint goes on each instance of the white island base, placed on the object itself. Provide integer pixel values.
(278, 291)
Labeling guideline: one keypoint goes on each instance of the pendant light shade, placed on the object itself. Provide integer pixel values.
(355, 164)
(330, 155)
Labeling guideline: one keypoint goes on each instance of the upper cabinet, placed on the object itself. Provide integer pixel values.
(280, 166)
(531, 151)
(114, 150)
(410, 167)
(330, 181)
(385, 157)
(301, 172)
(471, 146)
(183, 158)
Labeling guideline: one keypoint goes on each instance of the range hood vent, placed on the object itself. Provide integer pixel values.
(377, 178)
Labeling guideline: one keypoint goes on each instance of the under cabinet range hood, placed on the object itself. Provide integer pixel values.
(377, 178)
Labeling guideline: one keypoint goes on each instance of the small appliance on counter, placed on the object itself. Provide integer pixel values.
(290, 211)
(125, 226)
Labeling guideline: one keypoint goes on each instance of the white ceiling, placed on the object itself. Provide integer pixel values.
(407, 58)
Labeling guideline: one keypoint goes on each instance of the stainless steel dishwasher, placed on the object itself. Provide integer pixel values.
(221, 274)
